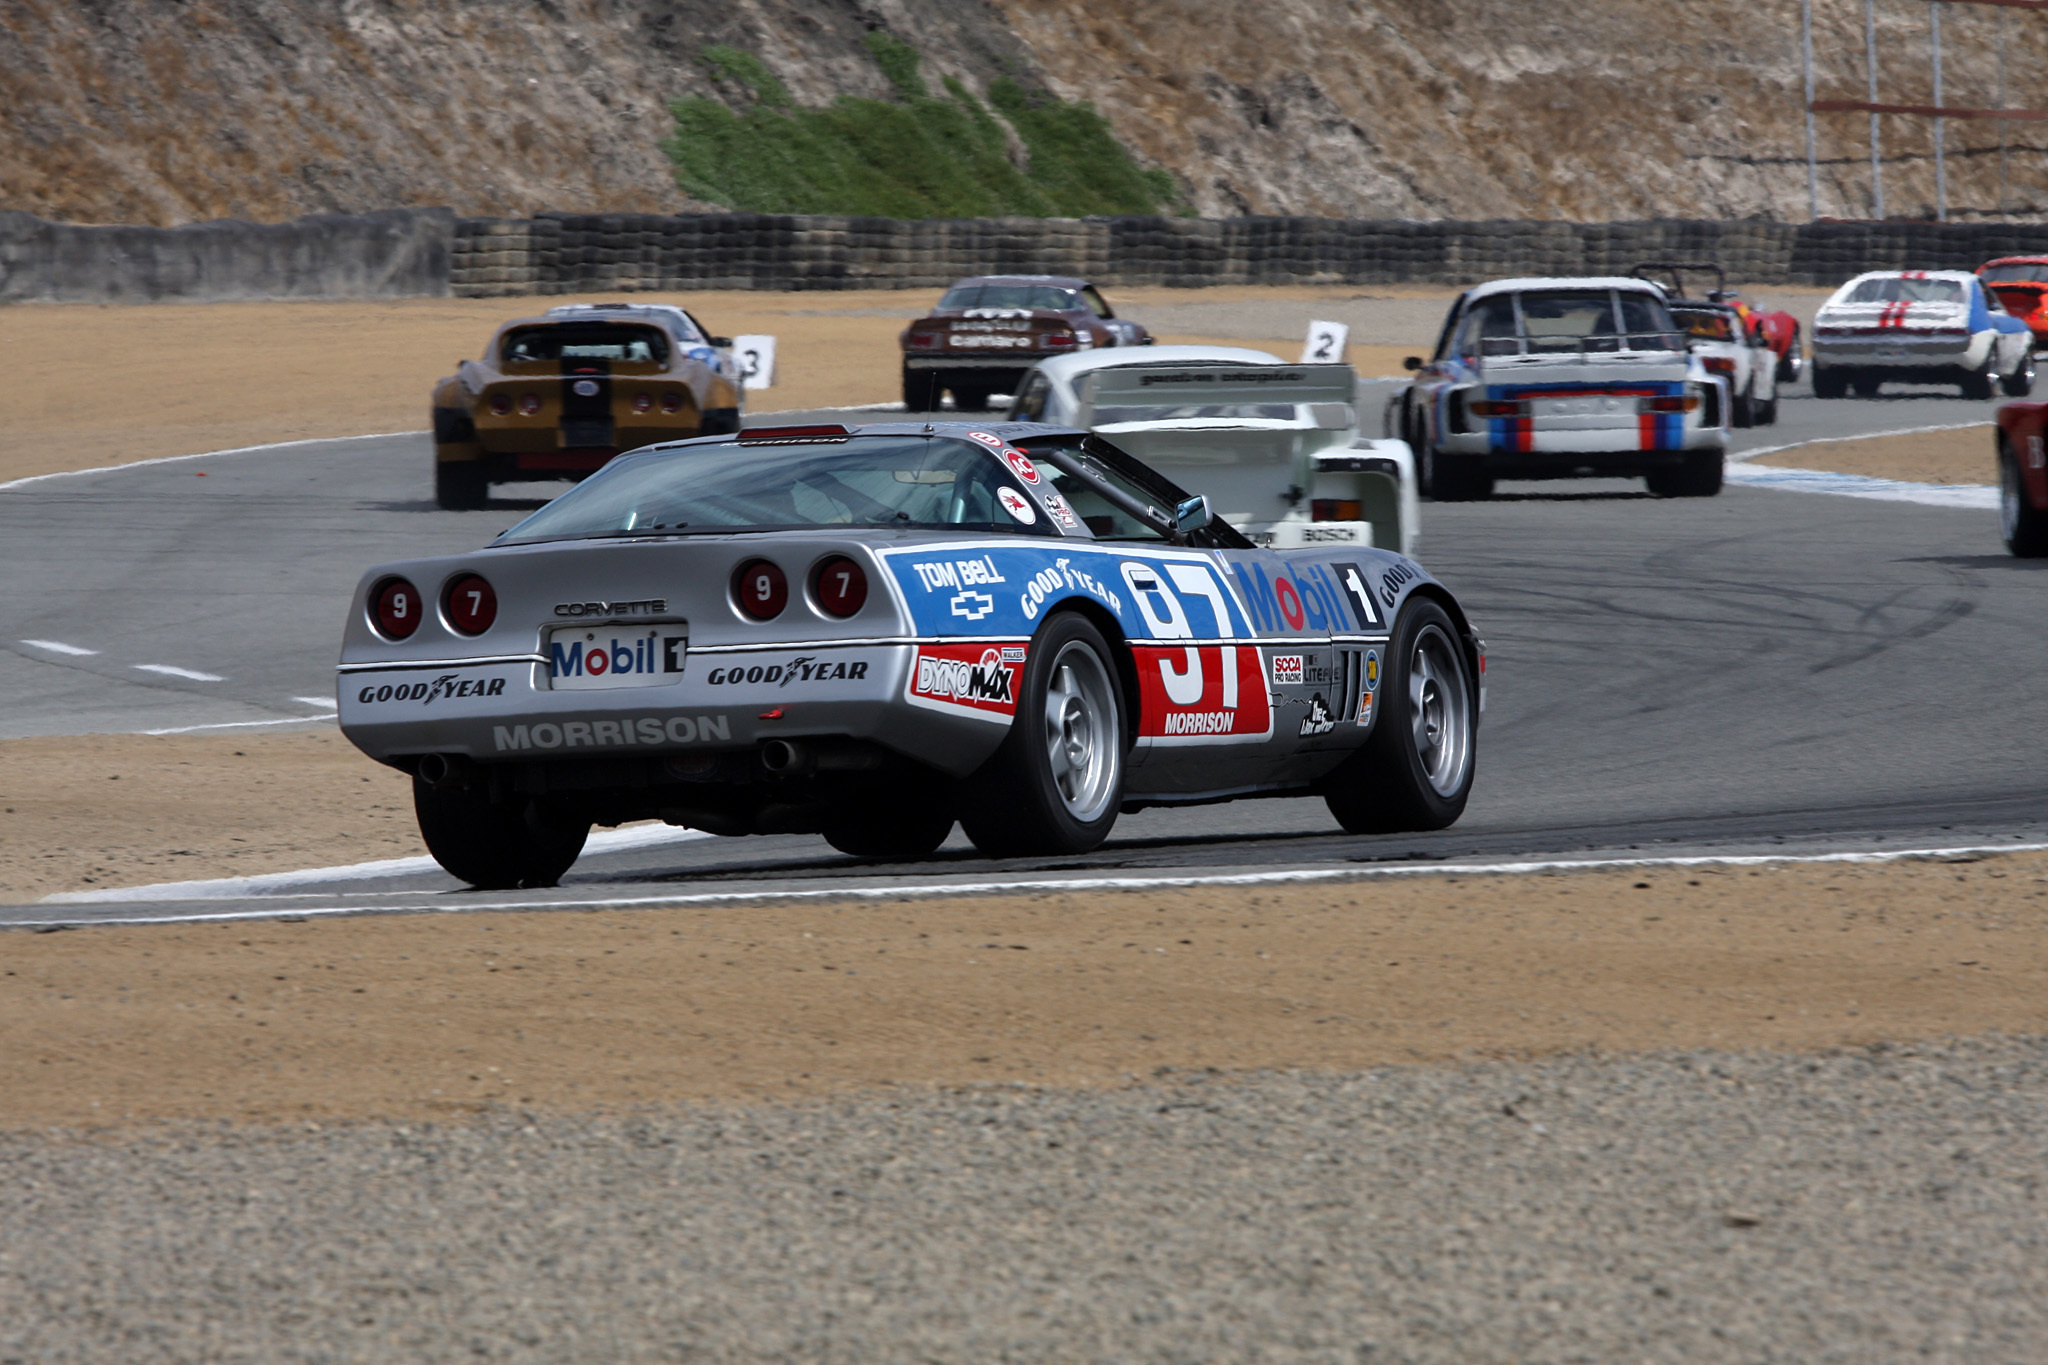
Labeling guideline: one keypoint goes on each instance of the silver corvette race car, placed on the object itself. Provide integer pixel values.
(874, 633)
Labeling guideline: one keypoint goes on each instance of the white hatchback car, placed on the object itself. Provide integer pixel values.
(1919, 327)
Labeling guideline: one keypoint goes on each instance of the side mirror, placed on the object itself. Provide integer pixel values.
(1192, 515)
(1411, 362)
(722, 343)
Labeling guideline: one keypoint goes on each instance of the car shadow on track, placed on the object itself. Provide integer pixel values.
(2007, 562)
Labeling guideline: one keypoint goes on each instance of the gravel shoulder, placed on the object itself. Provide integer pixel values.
(1961, 455)
(433, 1016)
(1873, 1204)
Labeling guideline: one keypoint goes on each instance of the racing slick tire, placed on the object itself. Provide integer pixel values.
(1977, 383)
(461, 485)
(494, 845)
(2024, 526)
(1791, 363)
(1829, 383)
(1696, 475)
(970, 398)
(920, 391)
(1456, 478)
(1415, 771)
(1056, 784)
(1744, 414)
(2020, 382)
(718, 422)
(1767, 413)
(1867, 385)
(904, 823)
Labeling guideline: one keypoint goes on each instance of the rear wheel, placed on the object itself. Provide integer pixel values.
(902, 823)
(2024, 525)
(1744, 414)
(1977, 383)
(461, 485)
(1790, 363)
(1767, 413)
(719, 422)
(495, 845)
(1829, 383)
(1415, 771)
(1056, 784)
(1867, 385)
(970, 398)
(1697, 475)
(2020, 382)
(920, 391)
(1457, 478)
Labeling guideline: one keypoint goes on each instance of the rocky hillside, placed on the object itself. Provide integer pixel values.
(168, 111)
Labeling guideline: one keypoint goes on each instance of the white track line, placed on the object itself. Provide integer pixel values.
(1971, 497)
(274, 883)
(173, 671)
(233, 725)
(59, 647)
(327, 702)
(203, 455)
(441, 903)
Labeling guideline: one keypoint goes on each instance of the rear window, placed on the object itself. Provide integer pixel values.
(1704, 324)
(1011, 296)
(2015, 274)
(1900, 289)
(871, 482)
(587, 341)
(1565, 321)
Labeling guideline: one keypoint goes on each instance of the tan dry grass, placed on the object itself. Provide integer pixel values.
(1964, 455)
(445, 1015)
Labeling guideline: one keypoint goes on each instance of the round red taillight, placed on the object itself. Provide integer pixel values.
(672, 402)
(501, 405)
(760, 590)
(529, 405)
(841, 585)
(395, 608)
(643, 402)
(469, 604)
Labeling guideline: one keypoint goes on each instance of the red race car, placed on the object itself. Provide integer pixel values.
(2021, 283)
(2023, 478)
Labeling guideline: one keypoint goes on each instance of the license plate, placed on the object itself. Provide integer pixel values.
(586, 658)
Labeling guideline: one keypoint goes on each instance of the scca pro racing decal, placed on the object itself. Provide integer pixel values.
(1201, 694)
(978, 679)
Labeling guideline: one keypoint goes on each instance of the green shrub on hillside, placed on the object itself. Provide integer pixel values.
(920, 156)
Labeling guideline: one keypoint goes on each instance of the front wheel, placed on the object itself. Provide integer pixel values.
(2024, 525)
(1056, 784)
(495, 845)
(2020, 382)
(1415, 771)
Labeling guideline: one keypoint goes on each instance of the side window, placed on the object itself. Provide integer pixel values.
(1031, 403)
(1488, 328)
(1443, 338)
(1095, 301)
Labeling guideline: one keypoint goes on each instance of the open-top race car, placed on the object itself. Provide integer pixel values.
(1275, 447)
(1772, 328)
(1561, 378)
(2021, 284)
(873, 633)
(554, 397)
(1717, 334)
(988, 330)
(1919, 327)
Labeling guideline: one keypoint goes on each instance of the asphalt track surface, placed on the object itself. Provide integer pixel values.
(1764, 671)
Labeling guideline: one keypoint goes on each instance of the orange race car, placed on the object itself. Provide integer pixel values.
(2021, 283)
(555, 397)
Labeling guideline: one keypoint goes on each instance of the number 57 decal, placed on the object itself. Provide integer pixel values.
(1193, 694)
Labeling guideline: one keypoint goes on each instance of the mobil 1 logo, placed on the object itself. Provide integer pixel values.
(1352, 579)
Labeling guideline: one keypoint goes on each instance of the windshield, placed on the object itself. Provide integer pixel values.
(1902, 289)
(1103, 518)
(587, 341)
(2028, 273)
(1704, 324)
(1010, 296)
(893, 482)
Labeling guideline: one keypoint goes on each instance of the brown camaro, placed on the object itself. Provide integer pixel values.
(555, 397)
(989, 330)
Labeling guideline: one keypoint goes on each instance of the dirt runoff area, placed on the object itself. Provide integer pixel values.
(1954, 455)
(97, 385)
(447, 1015)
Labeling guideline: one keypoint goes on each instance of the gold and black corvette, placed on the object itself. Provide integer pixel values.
(555, 397)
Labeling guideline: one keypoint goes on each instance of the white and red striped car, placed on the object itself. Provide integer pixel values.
(1919, 327)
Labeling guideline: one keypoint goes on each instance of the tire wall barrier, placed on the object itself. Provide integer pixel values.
(390, 254)
(404, 252)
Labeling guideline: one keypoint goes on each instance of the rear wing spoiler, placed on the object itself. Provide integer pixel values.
(1161, 385)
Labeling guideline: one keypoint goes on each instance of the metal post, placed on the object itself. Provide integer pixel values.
(1812, 163)
(2002, 142)
(1940, 131)
(1876, 154)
